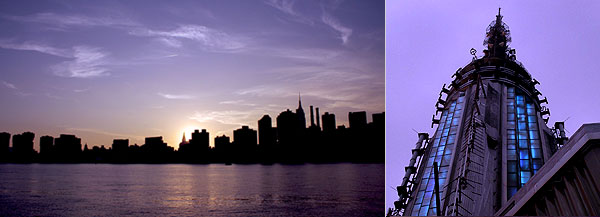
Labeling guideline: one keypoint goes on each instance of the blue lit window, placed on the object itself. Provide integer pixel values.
(512, 166)
(510, 124)
(423, 211)
(523, 154)
(512, 191)
(511, 145)
(524, 165)
(512, 179)
(441, 151)
(511, 155)
(537, 164)
(536, 153)
(525, 177)
(524, 157)
(523, 143)
(532, 126)
(533, 135)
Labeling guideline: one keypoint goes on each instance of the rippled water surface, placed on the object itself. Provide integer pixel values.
(192, 190)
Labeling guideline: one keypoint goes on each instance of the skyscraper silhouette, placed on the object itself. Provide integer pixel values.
(300, 114)
(328, 122)
(23, 147)
(266, 140)
(68, 148)
(4, 146)
(46, 148)
(244, 140)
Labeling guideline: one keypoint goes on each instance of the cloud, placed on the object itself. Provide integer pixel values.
(72, 20)
(81, 90)
(88, 62)
(237, 102)
(287, 7)
(9, 85)
(332, 22)
(210, 39)
(310, 54)
(85, 61)
(230, 117)
(175, 96)
(171, 42)
(33, 46)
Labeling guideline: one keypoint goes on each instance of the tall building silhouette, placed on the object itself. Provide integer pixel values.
(155, 150)
(328, 122)
(200, 140)
(68, 148)
(23, 147)
(491, 139)
(223, 150)
(300, 113)
(266, 133)
(4, 146)
(222, 143)
(46, 148)
(318, 118)
(244, 140)
(358, 120)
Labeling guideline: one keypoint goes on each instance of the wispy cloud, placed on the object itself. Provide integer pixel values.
(85, 61)
(171, 42)
(81, 90)
(237, 102)
(287, 7)
(62, 20)
(210, 39)
(88, 62)
(334, 23)
(175, 96)
(33, 46)
(305, 54)
(230, 117)
(9, 85)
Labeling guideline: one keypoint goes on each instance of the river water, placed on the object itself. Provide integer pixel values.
(192, 190)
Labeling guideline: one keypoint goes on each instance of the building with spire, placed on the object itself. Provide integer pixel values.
(491, 142)
(300, 114)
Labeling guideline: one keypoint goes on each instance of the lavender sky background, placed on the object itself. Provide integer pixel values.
(426, 41)
(132, 69)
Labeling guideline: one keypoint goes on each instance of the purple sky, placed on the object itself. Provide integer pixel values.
(132, 69)
(426, 41)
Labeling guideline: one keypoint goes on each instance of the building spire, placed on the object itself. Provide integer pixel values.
(299, 101)
(183, 140)
(497, 38)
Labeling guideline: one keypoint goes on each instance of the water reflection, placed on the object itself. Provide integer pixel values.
(191, 190)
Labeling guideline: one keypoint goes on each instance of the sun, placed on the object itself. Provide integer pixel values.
(188, 132)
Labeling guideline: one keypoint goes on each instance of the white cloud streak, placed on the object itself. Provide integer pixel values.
(230, 117)
(72, 20)
(33, 46)
(210, 39)
(287, 7)
(332, 22)
(175, 96)
(9, 85)
(88, 62)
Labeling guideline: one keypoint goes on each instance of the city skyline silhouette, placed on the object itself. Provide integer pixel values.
(288, 141)
(110, 70)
